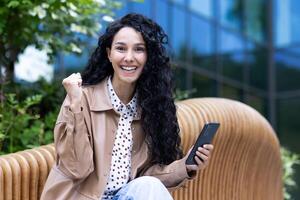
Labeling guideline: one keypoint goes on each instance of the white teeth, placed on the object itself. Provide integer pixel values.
(128, 68)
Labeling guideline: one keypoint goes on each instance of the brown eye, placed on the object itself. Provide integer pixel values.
(120, 48)
(140, 49)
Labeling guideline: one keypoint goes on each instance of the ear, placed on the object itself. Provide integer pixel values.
(108, 53)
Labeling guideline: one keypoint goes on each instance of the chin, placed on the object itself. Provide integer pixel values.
(128, 79)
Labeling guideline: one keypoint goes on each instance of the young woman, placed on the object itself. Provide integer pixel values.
(117, 134)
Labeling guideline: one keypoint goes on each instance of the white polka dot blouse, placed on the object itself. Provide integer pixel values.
(121, 153)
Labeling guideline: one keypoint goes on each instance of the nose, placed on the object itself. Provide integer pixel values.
(129, 57)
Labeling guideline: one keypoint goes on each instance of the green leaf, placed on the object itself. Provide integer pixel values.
(2, 136)
(289, 160)
(13, 4)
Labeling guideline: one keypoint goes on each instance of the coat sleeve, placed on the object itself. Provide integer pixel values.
(73, 141)
(172, 176)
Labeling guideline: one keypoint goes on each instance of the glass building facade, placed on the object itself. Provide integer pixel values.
(247, 50)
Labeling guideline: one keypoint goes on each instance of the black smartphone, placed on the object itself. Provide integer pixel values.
(205, 137)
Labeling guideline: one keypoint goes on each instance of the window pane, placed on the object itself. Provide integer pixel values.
(178, 1)
(74, 61)
(231, 92)
(232, 55)
(257, 59)
(287, 17)
(178, 30)
(256, 19)
(287, 70)
(233, 64)
(141, 7)
(231, 12)
(204, 7)
(258, 103)
(180, 77)
(124, 9)
(161, 16)
(204, 86)
(230, 42)
(200, 37)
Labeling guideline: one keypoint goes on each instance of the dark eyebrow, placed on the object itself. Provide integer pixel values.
(143, 44)
(122, 43)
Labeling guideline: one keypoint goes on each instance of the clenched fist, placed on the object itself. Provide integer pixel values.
(72, 85)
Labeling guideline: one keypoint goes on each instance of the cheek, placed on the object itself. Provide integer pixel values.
(116, 57)
(142, 59)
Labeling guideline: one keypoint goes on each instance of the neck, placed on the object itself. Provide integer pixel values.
(124, 91)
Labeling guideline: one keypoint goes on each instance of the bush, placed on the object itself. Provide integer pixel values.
(27, 119)
(289, 160)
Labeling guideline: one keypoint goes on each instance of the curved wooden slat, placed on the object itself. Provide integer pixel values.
(16, 177)
(47, 155)
(25, 175)
(34, 174)
(50, 148)
(1, 183)
(8, 178)
(43, 169)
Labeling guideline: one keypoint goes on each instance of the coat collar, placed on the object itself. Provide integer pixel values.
(100, 99)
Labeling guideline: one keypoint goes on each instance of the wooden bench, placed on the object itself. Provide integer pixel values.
(245, 163)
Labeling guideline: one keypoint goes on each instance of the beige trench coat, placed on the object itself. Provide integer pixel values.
(84, 143)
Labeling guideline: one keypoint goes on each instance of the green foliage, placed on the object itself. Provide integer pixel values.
(55, 26)
(27, 119)
(52, 25)
(289, 160)
(16, 121)
(183, 94)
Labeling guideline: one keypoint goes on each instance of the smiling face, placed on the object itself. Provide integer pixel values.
(127, 55)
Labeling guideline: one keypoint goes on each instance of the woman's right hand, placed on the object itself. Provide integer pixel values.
(72, 85)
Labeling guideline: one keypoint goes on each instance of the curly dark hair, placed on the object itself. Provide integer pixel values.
(154, 86)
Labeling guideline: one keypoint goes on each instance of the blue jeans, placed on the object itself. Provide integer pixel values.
(143, 188)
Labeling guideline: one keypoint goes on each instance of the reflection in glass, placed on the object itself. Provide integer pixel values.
(232, 55)
(180, 74)
(287, 70)
(203, 7)
(287, 17)
(161, 16)
(230, 42)
(231, 92)
(233, 65)
(201, 36)
(295, 50)
(178, 1)
(178, 30)
(204, 86)
(231, 13)
(201, 52)
(123, 11)
(256, 19)
(258, 103)
(257, 59)
(144, 7)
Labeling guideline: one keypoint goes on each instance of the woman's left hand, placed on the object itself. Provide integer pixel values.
(203, 153)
